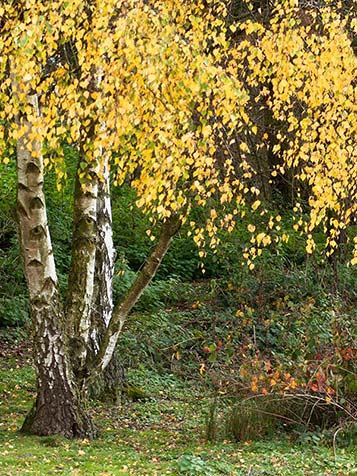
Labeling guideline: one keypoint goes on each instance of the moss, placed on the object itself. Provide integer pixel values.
(133, 392)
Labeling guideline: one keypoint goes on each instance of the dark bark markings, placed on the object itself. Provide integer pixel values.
(81, 275)
(58, 409)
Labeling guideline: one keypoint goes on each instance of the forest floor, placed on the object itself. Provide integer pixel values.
(163, 434)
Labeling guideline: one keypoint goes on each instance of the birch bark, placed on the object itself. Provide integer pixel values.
(58, 408)
(82, 271)
(106, 385)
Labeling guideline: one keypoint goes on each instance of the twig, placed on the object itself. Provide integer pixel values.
(334, 442)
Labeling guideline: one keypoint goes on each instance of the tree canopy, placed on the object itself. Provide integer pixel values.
(184, 103)
(164, 90)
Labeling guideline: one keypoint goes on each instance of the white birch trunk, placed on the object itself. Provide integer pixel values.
(106, 385)
(82, 271)
(105, 257)
(57, 409)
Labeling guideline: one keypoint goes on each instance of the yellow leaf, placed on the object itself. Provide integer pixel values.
(256, 204)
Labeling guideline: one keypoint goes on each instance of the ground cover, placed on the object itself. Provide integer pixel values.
(163, 434)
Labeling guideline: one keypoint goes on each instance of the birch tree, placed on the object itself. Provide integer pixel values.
(154, 118)
(151, 93)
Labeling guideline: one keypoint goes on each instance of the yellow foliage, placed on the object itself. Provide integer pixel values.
(311, 68)
(158, 85)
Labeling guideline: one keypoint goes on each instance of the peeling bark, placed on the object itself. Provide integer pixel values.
(104, 257)
(107, 384)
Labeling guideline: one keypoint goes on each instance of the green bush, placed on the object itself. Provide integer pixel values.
(14, 311)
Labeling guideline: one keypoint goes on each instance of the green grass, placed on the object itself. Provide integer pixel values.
(162, 435)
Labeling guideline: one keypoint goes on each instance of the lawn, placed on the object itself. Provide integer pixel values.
(161, 435)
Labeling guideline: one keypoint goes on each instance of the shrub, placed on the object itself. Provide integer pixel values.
(14, 311)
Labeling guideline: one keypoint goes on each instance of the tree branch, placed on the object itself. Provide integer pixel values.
(169, 229)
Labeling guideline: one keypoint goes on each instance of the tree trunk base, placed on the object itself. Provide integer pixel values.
(65, 418)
